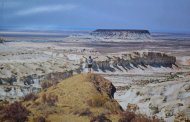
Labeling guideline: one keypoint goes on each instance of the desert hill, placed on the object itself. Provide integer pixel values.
(78, 98)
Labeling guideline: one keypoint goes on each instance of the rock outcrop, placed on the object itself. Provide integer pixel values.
(122, 34)
(130, 61)
(103, 85)
(11, 89)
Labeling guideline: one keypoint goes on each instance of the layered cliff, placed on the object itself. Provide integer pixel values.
(129, 61)
(122, 34)
(28, 77)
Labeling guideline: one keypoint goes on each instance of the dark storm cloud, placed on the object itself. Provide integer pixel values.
(160, 15)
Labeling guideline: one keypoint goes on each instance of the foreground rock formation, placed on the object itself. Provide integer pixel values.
(77, 99)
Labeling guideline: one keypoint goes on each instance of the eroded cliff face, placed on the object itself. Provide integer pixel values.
(121, 34)
(22, 81)
(11, 89)
(142, 60)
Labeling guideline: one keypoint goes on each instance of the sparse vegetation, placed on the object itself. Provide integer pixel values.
(154, 109)
(138, 93)
(48, 83)
(132, 107)
(172, 76)
(132, 117)
(40, 119)
(99, 118)
(14, 112)
(49, 99)
(83, 112)
(30, 96)
(127, 116)
(122, 88)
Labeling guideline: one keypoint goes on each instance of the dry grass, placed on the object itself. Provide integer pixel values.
(40, 119)
(97, 101)
(74, 99)
(83, 112)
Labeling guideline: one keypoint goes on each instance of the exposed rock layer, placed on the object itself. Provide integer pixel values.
(135, 60)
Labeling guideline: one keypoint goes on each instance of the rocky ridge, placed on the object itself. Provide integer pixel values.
(79, 98)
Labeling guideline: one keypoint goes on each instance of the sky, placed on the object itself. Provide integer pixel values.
(153, 15)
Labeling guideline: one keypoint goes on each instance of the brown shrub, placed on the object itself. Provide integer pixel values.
(44, 98)
(83, 112)
(132, 117)
(28, 104)
(97, 101)
(127, 116)
(39, 119)
(89, 102)
(49, 99)
(14, 112)
(4, 102)
(30, 96)
(132, 107)
(46, 85)
(146, 119)
(99, 118)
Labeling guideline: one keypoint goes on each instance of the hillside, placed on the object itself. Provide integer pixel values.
(75, 99)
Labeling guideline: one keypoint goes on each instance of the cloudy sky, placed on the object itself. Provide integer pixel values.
(155, 15)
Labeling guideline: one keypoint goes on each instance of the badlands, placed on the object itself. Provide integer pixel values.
(151, 71)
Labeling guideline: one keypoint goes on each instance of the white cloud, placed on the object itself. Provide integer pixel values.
(45, 9)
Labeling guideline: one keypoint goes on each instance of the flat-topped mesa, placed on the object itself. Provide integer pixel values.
(121, 34)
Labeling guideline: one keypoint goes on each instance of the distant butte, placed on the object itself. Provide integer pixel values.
(129, 34)
(122, 30)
